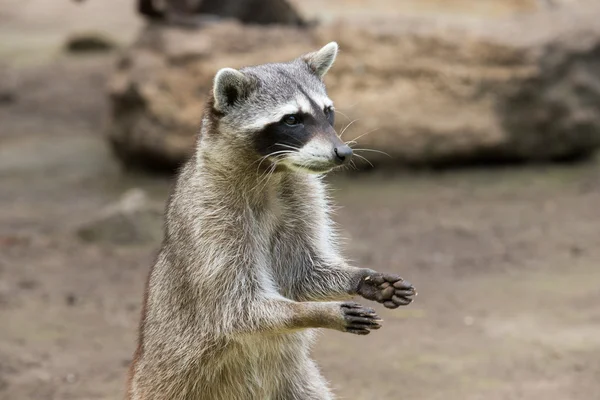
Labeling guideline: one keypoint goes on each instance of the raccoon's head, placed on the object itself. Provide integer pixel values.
(280, 114)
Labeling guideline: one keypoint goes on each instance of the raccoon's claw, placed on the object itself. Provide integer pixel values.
(358, 319)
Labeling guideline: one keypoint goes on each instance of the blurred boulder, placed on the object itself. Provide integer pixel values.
(158, 89)
(425, 90)
(134, 219)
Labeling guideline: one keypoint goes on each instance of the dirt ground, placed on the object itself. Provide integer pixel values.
(506, 260)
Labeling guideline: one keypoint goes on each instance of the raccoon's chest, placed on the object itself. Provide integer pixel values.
(288, 232)
(290, 256)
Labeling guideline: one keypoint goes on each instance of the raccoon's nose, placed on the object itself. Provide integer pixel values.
(342, 154)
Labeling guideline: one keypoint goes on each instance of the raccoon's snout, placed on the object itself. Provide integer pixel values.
(343, 154)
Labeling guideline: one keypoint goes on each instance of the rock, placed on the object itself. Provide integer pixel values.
(131, 220)
(155, 111)
(424, 89)
(89, 42)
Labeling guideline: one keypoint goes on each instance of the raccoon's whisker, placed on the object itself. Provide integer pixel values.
(305, 164)
(262, 159)
(280, 157)
(287, 145)
(265, 176)
(364, 158)
(295, 139)
(339, 112)
(364, 134)
(279, 152)
(374, 151)
(350, 165)
(270, 174)
(346, 127)
(342, 167)
(258, 182)
(260, 163)
(354, 105)
(274, 166)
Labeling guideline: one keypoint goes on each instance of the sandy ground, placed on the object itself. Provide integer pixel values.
(505, 260)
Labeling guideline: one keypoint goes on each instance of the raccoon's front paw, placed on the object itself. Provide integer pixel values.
(390, 290)
(358, 319)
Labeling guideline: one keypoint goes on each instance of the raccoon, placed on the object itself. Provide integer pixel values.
(250, 268)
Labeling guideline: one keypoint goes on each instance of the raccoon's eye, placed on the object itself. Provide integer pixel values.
(292, 119)
(329, 114)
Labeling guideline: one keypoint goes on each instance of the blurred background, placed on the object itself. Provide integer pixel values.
(487, 199)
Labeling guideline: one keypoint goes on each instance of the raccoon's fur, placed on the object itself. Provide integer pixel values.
(249, 266)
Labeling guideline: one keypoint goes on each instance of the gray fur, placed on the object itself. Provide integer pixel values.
(249, 266)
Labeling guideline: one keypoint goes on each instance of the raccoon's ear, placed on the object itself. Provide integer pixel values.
(320, 61)
(229, 87)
